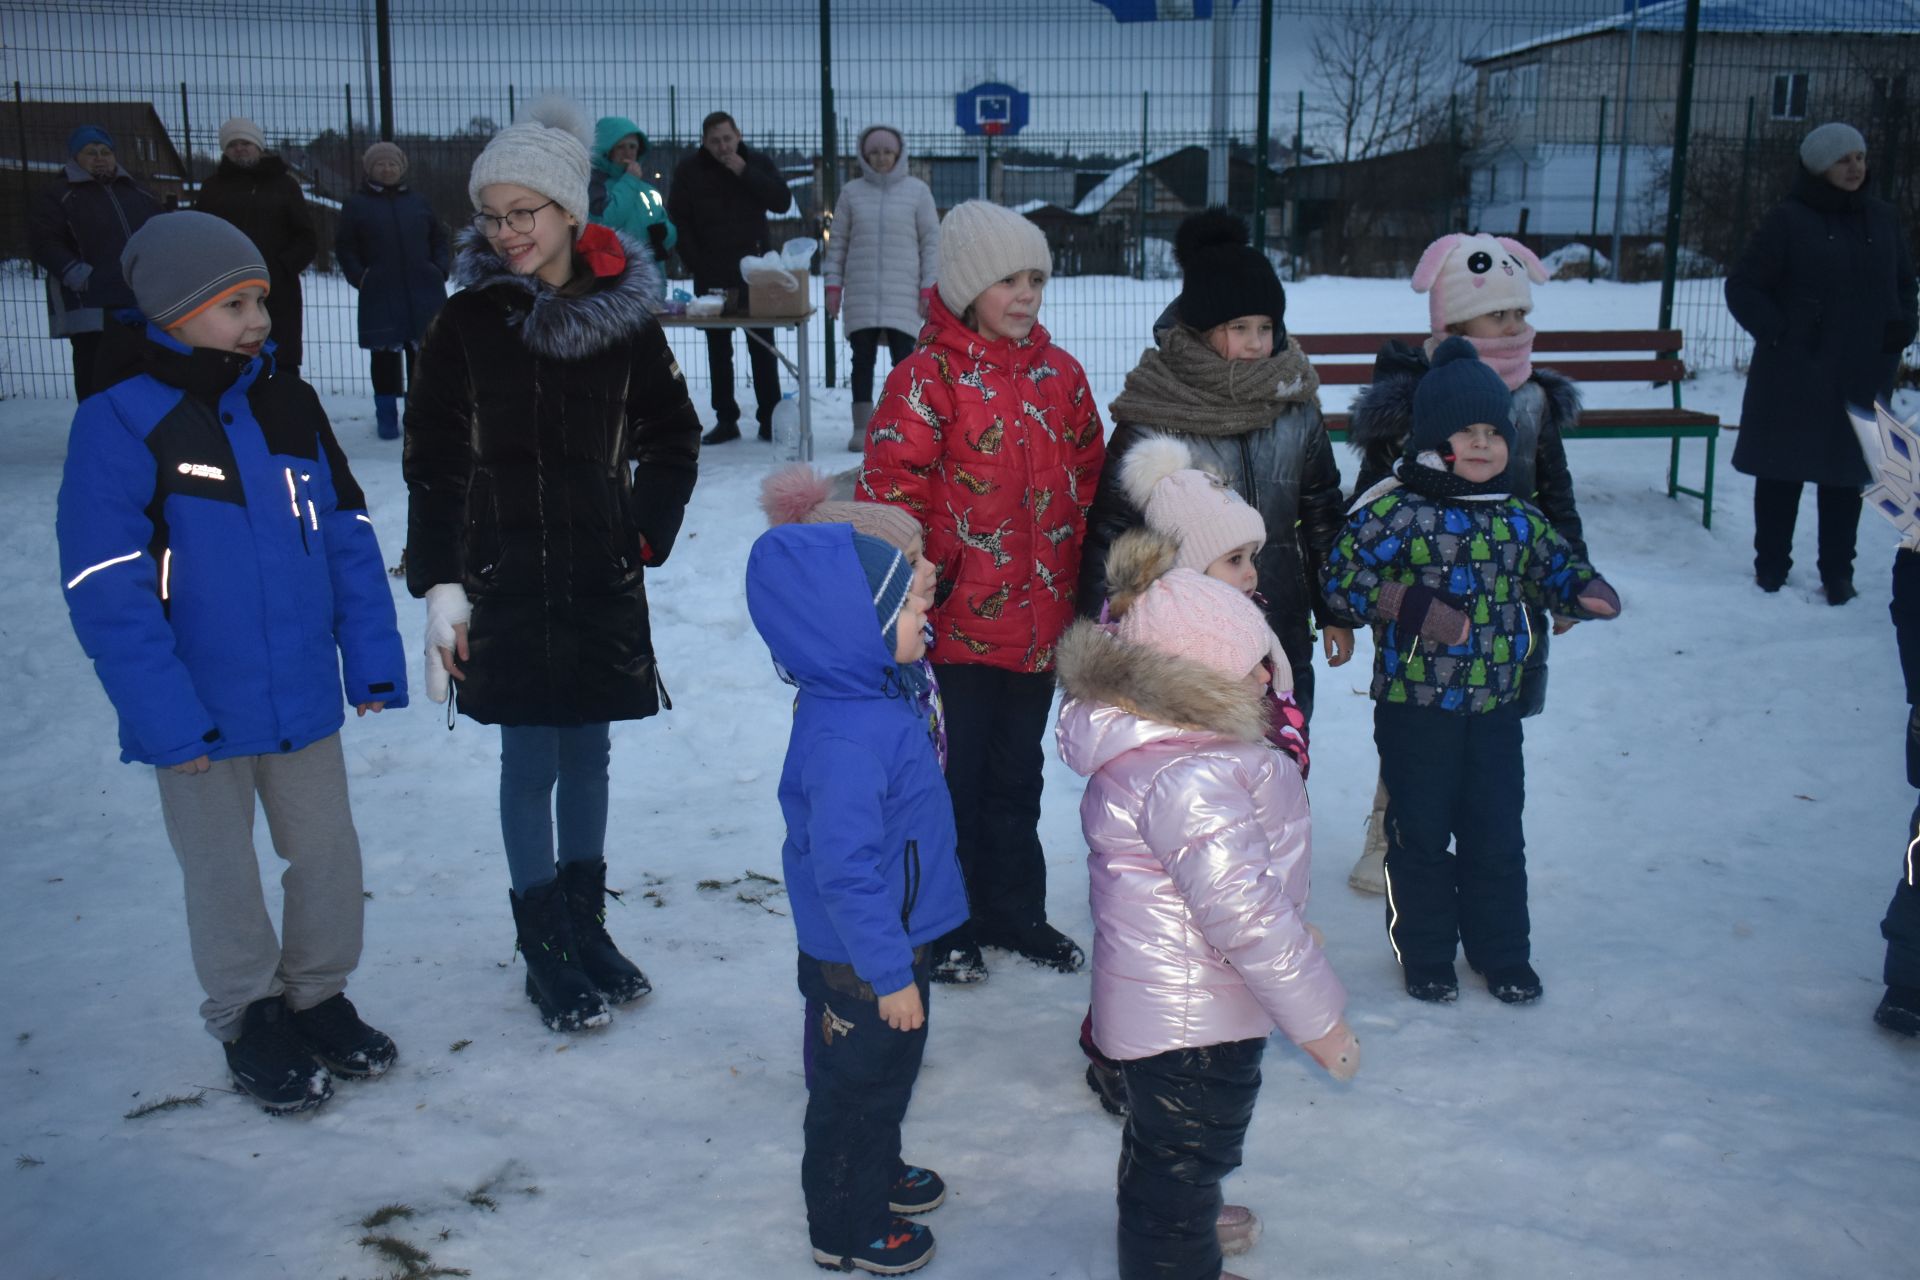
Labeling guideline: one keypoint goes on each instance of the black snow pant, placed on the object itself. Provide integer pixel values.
(996, 720)
(766, 375)
(1901, 928)
(1459, 778)
(393, 371)
(1776, 508)
(1187, 1115)
(866, 354)
(86, 350)
(860, 1074)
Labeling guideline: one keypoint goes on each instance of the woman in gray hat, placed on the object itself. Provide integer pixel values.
(1826, 288)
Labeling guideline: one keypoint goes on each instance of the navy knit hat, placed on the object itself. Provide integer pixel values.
(888, 576)
(1457, 392)
(1224, 276)
(87, 134)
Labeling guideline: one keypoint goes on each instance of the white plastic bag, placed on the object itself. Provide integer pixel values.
(768, 269)
(798, 252)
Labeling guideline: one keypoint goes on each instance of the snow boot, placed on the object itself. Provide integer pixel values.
(957, 959)
(862, 410)
(907, 1246)
(1839, 590)
(1038, 941)
(332, 1032)
(1899, 1011)
(1238, 1229)
(555, 980)
(916, 1190)
(612, 974)
(1514, 983)
(1434, 983)
(386, 417)
(1369, 874)
(1110, 1087)
(271, 1065)
(722, 433)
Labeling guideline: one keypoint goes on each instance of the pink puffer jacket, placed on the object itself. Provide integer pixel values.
(1199, 841)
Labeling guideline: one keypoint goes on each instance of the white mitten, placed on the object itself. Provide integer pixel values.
(447, 608)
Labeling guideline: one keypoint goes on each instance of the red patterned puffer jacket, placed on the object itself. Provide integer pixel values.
(996, 448)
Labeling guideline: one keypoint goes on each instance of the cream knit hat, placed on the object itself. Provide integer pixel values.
(547, 152)
(1822, 149)
(234, 128)
(980, 242)
(1195, 508)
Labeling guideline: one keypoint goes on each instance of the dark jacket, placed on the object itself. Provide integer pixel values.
(266, 202)
(550, 452)
(1544, 406)
(1905, 609)
(869, 854)
(83, 222)
(1287, 473)
(1826, 288)
(723, 218)
(221, 617)
(392, 248)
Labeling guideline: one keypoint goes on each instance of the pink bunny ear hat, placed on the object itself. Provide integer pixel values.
(1466, 276)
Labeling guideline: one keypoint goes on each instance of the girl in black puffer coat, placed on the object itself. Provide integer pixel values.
(550, 453)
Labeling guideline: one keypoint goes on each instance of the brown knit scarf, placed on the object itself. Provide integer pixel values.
(1184, 385)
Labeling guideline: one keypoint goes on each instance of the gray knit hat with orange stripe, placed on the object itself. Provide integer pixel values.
(179, 264)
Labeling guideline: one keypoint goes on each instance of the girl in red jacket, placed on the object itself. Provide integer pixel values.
(989, 436)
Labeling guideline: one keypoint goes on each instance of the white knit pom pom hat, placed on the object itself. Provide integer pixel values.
(547, 152)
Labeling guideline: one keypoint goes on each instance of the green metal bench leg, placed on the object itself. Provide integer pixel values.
(1706, 505)
(1673, 470)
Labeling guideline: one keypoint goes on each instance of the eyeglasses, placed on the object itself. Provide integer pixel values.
(516, 220)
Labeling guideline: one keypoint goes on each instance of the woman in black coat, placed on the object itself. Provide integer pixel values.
(720, 199)
(550, 453)
(392, 248)
(1826, 288)
(256, 192)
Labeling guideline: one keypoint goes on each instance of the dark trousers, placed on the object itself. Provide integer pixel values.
(766, 375)
(1187, 1115)
(392, 372)
(860, 1074)
(866, 354)
(1776, 508)
(86, 346)
(1459, 779)
(1901, 928)
(996, 720)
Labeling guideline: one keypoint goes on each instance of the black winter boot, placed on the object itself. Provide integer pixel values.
(1899, 1011)
(555, 980)
(269, 1062)
(1037, 941)
(332, 1032)
(1514, 983)
(1434, 983)
(616, 977)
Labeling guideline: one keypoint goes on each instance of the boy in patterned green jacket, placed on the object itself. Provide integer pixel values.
(1443, 560)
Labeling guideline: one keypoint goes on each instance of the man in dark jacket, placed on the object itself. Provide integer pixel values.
(76, 231)
(1899, 1009)
(256, 192)
(720, 200)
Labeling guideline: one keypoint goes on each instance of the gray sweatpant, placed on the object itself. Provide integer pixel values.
(209, 819)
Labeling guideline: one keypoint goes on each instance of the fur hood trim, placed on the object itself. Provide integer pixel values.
(1096, 666)
(1135, 561)
(564, 325)
(1383, 412)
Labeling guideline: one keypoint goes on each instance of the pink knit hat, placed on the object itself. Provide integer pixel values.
(1189, 615)
(801, 495)
(1196, 508)
(1466, 276)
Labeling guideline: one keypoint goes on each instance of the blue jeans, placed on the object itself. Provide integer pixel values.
(533, 758)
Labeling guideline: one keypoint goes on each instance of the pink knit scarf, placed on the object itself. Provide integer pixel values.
(1511, 358)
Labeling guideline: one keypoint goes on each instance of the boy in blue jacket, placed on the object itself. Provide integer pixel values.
(220, 570)
(871, 873)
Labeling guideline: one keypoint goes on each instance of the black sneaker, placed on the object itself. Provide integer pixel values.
(332, 1032)
(1434, 983)
(271, 1065)
(1514, 983)
(1839, 590)
(1769, 581)
(1899, 1011)
(957, 960)
(906, 1246)
(722, 433)
(916, 1190)
(1039, 942)
(1110, 1087)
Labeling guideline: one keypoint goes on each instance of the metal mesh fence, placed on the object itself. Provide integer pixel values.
(1390, 123)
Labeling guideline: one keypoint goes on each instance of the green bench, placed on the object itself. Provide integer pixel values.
(1650, 356)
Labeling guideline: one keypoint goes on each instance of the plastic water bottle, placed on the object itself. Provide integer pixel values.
(786, 429)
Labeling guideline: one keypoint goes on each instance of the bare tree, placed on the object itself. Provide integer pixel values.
(1378, 70)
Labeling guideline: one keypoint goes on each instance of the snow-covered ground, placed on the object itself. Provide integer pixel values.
(1717, 815)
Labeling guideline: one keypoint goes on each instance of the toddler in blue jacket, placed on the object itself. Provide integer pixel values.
(222, 574)
(871, 872)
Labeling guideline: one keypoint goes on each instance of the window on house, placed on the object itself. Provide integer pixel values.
(1790, 96)
(1513, 92)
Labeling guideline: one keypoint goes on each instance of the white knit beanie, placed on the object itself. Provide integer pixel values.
(1823, 148)
(547, 152)
(1191, 616)
(1466, 276)
(235, 128)
(1195, 508)
(980, 242)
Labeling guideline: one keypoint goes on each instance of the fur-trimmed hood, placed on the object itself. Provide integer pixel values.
(562, 324)
(1383, 412)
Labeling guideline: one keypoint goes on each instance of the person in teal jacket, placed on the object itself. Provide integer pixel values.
(619, 195)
